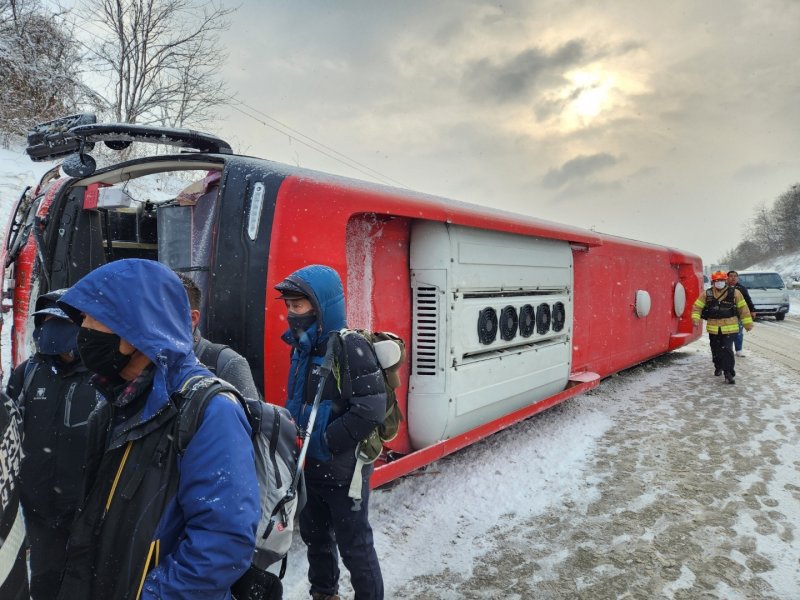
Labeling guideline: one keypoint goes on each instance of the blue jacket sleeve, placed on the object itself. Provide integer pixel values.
(218, 495)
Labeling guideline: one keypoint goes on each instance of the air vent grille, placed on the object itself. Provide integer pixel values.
(527, 320)
(426, 330)
(543, 319)
(508, 323)
(559, 316)
(487, 325)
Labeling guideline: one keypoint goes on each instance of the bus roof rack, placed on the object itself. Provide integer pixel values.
(53, 139)
(118, 136)
(78, 134)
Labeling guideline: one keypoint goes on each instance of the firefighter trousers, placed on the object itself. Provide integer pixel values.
(722, 352)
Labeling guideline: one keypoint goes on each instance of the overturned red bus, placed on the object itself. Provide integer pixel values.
(505, 315)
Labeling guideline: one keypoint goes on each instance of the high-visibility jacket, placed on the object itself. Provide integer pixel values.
(727, 307)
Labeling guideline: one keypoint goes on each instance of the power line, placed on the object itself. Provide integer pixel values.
(316, 145)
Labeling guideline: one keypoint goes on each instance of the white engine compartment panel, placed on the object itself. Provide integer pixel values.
(492, 326)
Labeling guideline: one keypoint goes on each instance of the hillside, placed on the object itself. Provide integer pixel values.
(788, 266)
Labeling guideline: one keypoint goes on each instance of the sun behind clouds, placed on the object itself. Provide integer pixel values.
(590, 93)
(596, 95)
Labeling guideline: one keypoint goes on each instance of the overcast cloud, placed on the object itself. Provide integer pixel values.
(666, 122)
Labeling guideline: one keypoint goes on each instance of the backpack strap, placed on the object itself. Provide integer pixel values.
(210, 357)
(340, 354)
(273, 445)
(30, 371)
(191, 401)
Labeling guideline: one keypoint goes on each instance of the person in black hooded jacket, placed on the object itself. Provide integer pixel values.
(55, 399)
(333, 520)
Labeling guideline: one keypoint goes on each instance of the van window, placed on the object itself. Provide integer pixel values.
(761, 280)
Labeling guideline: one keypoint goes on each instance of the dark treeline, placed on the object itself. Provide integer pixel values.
(773, 232)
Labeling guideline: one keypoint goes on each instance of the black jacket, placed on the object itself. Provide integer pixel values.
(352, 418)
(116, 534)
(55, 406)
(227, 364)
(746, 296)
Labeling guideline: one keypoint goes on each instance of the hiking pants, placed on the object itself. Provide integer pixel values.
(48, 554)
(722, 352)
(328, 521)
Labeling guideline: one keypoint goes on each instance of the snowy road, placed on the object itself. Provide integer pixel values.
(662, 483)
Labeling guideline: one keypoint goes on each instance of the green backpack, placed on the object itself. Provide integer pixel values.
(390, 353)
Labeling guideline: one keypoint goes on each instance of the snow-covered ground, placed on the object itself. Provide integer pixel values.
(441, 527)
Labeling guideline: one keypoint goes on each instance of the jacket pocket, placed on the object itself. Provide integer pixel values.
(317, 446)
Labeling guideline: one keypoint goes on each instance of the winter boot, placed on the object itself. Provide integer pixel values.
(717, 372)
(729, 378)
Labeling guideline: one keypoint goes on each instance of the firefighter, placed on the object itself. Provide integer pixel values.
(722, 307)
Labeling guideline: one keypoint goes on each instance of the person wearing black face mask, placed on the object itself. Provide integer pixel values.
(100, 353)
(332, 523)
(53, 392)
(154, 509)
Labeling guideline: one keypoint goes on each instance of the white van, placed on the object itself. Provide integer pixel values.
(768, 292)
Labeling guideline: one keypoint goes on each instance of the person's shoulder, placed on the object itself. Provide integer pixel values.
(223, 419)
(228, 355)
(357, 345)
(19, 370)
(224, 406)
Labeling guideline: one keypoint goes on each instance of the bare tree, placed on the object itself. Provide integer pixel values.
(764, 231)
(160, 58)
(786, 214)
(39, 66)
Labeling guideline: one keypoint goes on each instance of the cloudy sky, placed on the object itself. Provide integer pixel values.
(670, 122)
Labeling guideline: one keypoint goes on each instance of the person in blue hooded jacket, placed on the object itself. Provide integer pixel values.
(153, 522)
(332, 521)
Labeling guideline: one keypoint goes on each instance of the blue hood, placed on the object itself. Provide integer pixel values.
(143, 302)
(324, 288)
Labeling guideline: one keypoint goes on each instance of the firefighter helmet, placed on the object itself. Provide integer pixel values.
(719, 276)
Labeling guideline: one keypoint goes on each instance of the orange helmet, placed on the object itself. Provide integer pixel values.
(719, 276)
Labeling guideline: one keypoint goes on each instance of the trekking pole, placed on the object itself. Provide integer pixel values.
(324, 370)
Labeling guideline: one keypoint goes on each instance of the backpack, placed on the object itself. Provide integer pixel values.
(390, 354)
(389, 351)
(275, 445)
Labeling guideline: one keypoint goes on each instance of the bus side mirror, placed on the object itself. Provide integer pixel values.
(79, 165)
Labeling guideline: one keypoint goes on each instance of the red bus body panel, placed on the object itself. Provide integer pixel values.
(311, 225)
